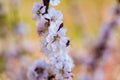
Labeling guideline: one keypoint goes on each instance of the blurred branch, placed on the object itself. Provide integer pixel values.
(102, 45)
(118, 1)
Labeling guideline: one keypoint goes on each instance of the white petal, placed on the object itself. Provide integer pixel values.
(62, 32)
(53, 28)
(43, 9)
(41, 22)
(50, 38)
(51, 12)
(47, 16)
(59, 15)
(54, 47)
(63, 41)
(54, 2)
(36, 17)
(36, 7)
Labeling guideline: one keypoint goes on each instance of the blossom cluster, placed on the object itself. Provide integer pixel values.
(54, 44)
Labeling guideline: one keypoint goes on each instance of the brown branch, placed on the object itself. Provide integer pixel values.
(46, 3)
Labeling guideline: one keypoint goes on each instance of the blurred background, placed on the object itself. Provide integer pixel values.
(19, 42)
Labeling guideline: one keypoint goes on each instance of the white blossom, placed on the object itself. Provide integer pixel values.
(41, 25)
(38, 9)
(54, 2)
(59, 36)
(62, 67)
(50, 49)
(38, 71)
(54, 15)
(44, 49)
(54, 45)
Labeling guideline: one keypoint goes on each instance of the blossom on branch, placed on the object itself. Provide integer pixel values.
(38, 9)
(54, 45)
(38, 71)
(54, 15)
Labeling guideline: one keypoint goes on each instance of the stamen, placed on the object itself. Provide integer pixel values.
(56, 38)
(39, 70)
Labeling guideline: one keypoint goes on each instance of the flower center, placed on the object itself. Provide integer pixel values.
(53, 18)
(62, 71)
(44, 29)
(56, 38)
(39, 70)
(38, 12)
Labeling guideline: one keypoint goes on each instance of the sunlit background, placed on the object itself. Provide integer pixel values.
(19, 42)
